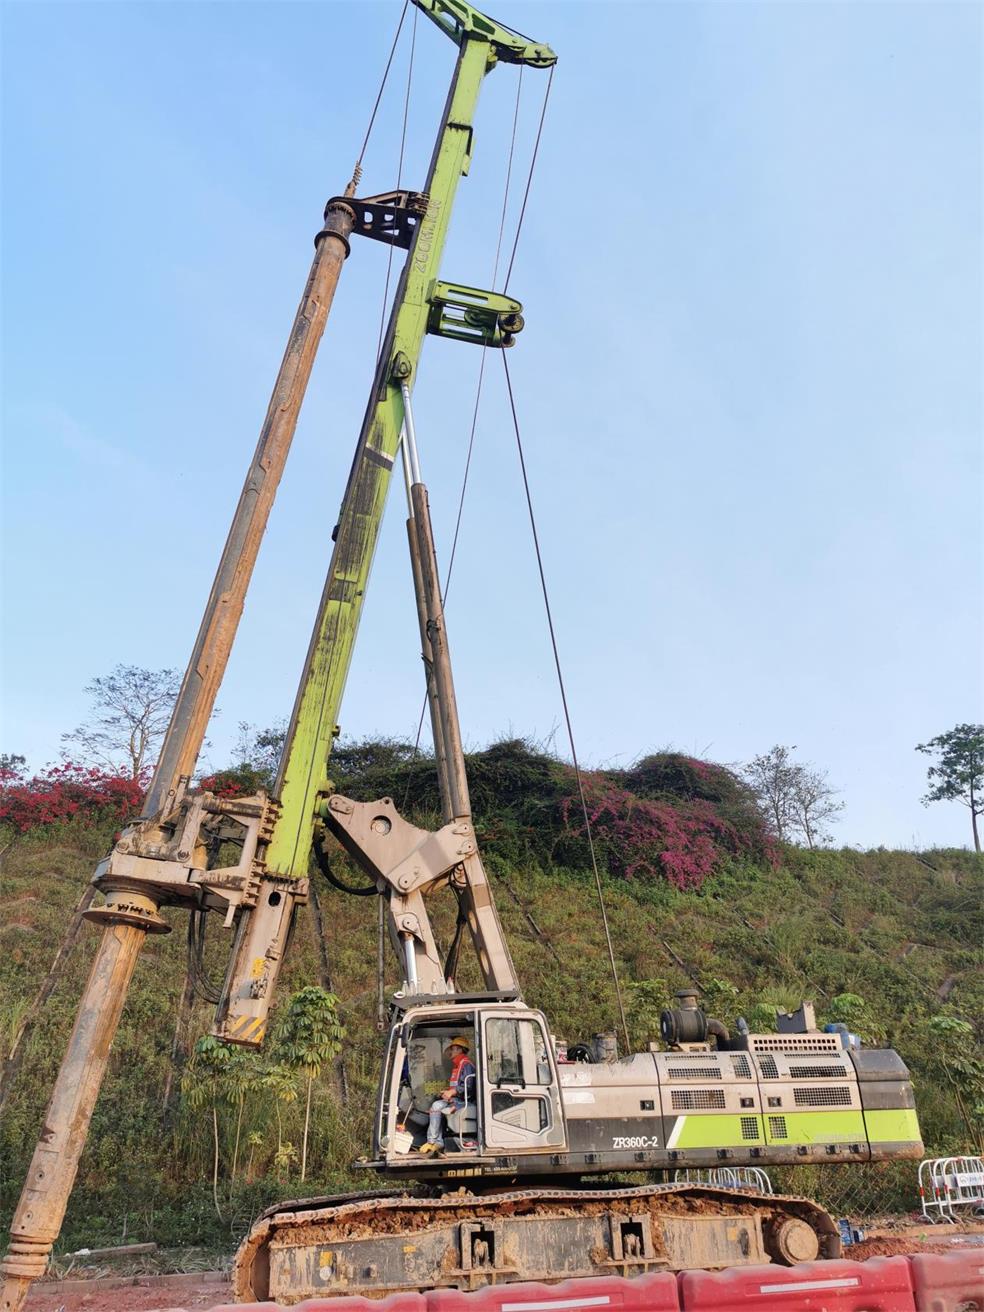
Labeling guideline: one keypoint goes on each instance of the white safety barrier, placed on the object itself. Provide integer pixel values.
(946, 1183)
(728, 1177)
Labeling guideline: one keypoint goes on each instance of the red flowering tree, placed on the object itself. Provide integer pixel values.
(678, 839)
(66, 792)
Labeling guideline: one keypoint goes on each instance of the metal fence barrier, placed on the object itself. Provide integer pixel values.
(728, 1177)
(946, 1183)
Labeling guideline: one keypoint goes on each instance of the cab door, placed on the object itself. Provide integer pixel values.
(520, 1089)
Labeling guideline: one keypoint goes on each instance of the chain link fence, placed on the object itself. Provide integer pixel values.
(861, 1192)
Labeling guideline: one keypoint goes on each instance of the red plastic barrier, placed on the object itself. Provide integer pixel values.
(245, 1307)
(882, 1284)
(954, 1283)
(928, 1283)
(395, 1303)
(652, 1293)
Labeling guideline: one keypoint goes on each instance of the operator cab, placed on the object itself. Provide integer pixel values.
(511, 1104)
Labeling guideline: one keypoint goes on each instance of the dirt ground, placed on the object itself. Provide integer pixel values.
(904, 1237)
(204, 1290)
(192, 1293)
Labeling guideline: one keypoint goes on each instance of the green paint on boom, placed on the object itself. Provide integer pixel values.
(303, 779)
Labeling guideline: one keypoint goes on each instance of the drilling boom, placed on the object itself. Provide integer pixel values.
(173, 855)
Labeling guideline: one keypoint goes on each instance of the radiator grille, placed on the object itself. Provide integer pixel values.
(768, 1068)
(749, 1127)
(741, 1066)
(777, 1127)
(696, 1099)
(694, 1072)
(816, 1072)
(797, 1043)
(829, 1097)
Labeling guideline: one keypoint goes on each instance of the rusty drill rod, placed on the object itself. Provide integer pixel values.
(196, 699)
(41, 1209)
(44, 1199)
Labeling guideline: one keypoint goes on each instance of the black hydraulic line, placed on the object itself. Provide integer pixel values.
(454, 952)
(205, 989)
(368, 890)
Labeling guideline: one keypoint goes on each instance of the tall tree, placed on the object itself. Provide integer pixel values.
(203, 1084)
(815, 804)
(958, 775)
(130, 710)
(771, 777)
(796, 797)
(309, 1035)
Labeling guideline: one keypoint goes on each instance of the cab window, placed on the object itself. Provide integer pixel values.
(517, 1052)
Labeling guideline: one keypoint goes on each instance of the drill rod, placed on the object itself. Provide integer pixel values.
(41, 1209)
(224, 608)
(43, 1201)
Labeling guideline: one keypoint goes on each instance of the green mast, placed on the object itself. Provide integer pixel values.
(421, 304)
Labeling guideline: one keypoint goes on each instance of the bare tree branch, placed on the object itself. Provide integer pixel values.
(130, 710)
(796, 798)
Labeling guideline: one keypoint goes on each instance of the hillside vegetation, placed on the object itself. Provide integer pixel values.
(697, 892)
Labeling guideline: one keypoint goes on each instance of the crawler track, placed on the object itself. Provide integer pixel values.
(379, 1243)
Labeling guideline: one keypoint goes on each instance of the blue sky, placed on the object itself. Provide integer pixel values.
(750, 382)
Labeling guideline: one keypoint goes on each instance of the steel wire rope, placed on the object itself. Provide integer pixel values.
(196, 933)
(356, 176)
(563, 698)
(399, 175)
(529, 179)
(474, 418)
(543, 582)
(357, 170)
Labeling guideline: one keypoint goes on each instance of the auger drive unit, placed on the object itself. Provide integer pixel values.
(518, 1191)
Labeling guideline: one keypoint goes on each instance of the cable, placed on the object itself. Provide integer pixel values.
(529, 180)
(364, 890)
(399, 176)
(563, 698)
(196, 958)
(481, 367)
(357, 171)
(474, 419)
(356, 175)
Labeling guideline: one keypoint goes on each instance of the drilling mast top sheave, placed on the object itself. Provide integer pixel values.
(173, 856)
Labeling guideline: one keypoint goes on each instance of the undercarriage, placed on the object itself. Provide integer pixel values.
(375, 1244)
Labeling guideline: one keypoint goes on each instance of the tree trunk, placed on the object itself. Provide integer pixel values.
(239, 1126)
(179, 1045)
(307, 1122)
(973, 818)
(215, 1159)
(16, 1054)
(808, 829)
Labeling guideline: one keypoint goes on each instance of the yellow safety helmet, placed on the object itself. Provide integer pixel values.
(459, 1042)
